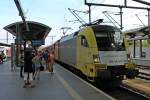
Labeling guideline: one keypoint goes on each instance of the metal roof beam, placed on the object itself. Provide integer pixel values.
(119, 6)
(21, 13)
(143, 2)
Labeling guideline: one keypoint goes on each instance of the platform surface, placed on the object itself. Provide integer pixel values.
(62, 85)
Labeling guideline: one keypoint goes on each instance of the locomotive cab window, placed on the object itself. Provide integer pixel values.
(109, 39)
(84, 41)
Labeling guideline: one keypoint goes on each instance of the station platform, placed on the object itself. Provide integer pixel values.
(62, 85)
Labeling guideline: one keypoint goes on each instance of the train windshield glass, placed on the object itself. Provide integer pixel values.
(109, 41)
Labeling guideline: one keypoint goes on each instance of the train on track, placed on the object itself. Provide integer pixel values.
(96, 51)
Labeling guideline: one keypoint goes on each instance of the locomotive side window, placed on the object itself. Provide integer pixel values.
(84, 41)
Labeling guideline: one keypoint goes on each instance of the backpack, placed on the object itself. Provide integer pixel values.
(45, 56)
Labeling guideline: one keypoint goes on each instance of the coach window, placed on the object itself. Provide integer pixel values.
(84, 41)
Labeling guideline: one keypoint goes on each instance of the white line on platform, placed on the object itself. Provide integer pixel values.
(70, 90)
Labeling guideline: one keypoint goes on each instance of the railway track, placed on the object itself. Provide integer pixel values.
(143, 72)
(143, 75)
(123, 93)
(143, 67)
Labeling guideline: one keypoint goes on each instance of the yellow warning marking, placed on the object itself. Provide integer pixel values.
(70, 90)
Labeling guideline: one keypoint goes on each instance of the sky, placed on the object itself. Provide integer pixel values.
(55, 14)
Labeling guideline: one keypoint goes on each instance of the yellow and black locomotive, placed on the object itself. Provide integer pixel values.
(97, 51)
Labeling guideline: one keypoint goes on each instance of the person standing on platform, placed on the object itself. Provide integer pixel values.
(28, 69)
(21, 63)
(51, 61)
(33, 65)
(37, 61)
(45, 57)
(3, 56)
(1, 59)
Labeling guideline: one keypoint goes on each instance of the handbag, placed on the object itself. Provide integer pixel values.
(41, 67)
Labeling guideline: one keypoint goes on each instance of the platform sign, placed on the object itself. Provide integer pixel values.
(38, 42)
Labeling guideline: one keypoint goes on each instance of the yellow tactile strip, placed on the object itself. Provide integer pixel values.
(138, 85)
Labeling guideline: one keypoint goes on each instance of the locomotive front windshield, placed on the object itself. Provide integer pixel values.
(109, 40)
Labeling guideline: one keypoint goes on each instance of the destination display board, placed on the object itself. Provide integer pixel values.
(33, 42)
(38, 42)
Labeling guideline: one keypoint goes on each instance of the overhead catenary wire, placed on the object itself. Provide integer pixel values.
(77, 16)
(103, 1)
(139, 19)
(84, 14)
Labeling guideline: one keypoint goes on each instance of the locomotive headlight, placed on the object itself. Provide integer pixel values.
(128, 57)
(96, 58)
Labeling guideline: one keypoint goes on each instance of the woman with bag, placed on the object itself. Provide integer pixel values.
(37, 60)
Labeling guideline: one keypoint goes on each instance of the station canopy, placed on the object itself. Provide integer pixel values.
(5, 44)
(142, 33)
(37, 31)
(138, 31)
